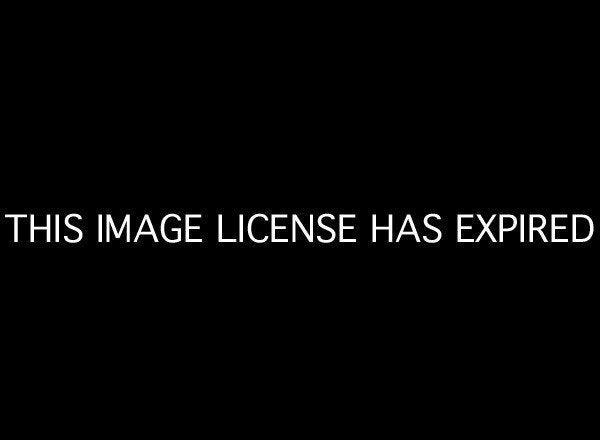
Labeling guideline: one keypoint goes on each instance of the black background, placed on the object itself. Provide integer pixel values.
(386, 112)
